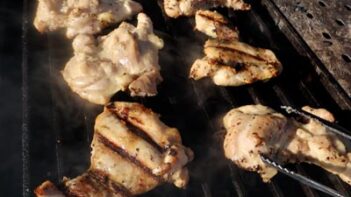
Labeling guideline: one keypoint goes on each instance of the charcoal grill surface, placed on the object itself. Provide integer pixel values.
(57, 125)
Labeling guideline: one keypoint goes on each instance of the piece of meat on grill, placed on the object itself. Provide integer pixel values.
(215, 25)
(233, 63)
(82, 16)
(124, 60)
(132, 153)
(255, 130)
(48, 189)
(176, 8)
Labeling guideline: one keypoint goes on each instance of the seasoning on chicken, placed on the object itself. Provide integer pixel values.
(132, 153)
(176, 8)
(233, 63)
(82, 16)
(215, 25)
(124, 60)
(256, 130)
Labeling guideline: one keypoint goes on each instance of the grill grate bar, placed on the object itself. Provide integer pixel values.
(54, 112)
(307, 93)
(237, 186)
(25, 138)
(206, 190)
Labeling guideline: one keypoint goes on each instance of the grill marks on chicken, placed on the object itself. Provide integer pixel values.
(176, 8)
(124, 60)
(93, 183)
(169, 164)
(227, 61)
(124, 162)
(82, 16)
(215, 25)
(233, 63)
(254, 130)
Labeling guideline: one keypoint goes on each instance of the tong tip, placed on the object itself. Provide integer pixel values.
(302, 179)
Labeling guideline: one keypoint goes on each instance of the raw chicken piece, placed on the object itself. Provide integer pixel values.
(125, 59)
(176, 8)
(256, 130)
(215, 25)
(132, 153)
(82, 16)
(233, 63)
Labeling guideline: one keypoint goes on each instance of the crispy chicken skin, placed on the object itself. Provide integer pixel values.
(132, 153)
(124, 60)
(254, 130)
(215, 25)
(82, 16)
(176, 8)
(233, 63)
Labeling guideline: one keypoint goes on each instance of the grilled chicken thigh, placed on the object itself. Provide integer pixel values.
(132, 153)
(256, 130)
(176, 8)
(233, 63)
(82, 16)
(215, 25)
(125, 59)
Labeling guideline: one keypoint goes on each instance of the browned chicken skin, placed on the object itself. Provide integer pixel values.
(176, 8)
(233, 63)
(254, 130)
(132, 153)
(215, 25)
(82, 16)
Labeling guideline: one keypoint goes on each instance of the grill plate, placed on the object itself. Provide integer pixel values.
(59, 125)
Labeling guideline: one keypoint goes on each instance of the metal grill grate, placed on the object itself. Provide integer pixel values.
(58, 127)
(320, 30)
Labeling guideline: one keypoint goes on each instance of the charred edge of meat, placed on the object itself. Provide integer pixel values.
(47, 188)
(102, 178)
(142, 134)
(95, 178)
(84, 179)
(214, 19)
(236, 65)
(127, 156)
(242, 53)
(133, 128)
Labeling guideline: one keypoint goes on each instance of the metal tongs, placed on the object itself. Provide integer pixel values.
(332, 127)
